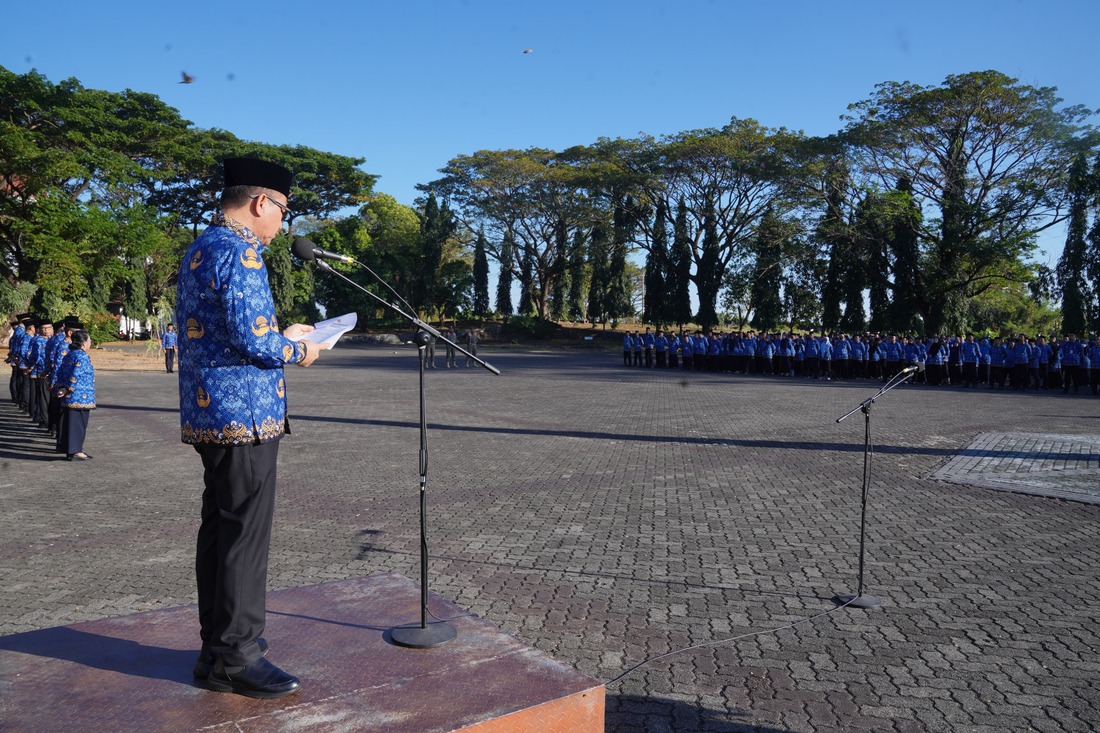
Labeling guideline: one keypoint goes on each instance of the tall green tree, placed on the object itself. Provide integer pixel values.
(1092, 253)
(680, 269)
(435, 229)
(988, 157)
(656, 270)
(708, 279)
(601, 282)
(504, 279)
(481, 306)
(767, 281)
(1075, 288)
(530, 195)
(728, 177)
(577, 273)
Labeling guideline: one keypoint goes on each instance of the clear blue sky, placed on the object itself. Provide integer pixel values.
(408, 85)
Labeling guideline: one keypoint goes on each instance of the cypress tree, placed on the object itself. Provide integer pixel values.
(575, 306)
(708, 279)
(526, 284)
(680, 269)
(599, 285)
(481, 276)
(656, 271)
(560, 272)
(618, 302)
(870, 240)
(431, 253)
(908, 279)
(1092, 252)
(768, 273)
(831, 232)
(1071, 265)
(504, 280)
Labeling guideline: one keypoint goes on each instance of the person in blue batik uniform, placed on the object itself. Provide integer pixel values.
(24, 356)
(17, 333)
(233, 410)
(169, 341)
(55, 355)
(40, 396)
(76, 391)
(1071, 355)
(1092, 355)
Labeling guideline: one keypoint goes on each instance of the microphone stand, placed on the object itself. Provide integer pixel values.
(422, 635)
(859, 600)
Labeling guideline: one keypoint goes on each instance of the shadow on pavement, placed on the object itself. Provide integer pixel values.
(640, 714)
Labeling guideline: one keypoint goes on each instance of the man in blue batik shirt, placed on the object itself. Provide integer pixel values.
(233, 410)
(17, 333)
(168, 342)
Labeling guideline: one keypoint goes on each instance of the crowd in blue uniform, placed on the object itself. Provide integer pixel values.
(1016, 362)
(52, 378)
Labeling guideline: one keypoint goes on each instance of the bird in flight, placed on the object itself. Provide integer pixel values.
(187, 78)
(528, 50)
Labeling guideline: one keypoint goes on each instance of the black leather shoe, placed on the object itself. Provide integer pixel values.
(260, 679)
(205, 663)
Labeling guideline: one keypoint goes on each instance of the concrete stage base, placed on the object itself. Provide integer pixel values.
(134, 673)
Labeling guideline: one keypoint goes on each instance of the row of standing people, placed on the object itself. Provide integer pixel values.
(1021, 362)
(469, 340)
(52, 378)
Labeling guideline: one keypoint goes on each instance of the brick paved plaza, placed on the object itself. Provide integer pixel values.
(606, 516)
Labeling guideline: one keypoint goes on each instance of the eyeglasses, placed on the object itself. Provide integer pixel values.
(283, 208)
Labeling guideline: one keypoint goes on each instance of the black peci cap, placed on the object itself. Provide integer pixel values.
(260, 173)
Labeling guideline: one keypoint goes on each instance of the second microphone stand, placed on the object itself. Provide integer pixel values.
(859, 600)
(422, 635)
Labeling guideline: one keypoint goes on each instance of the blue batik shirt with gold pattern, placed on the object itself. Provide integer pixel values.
(231, 353)
(76, 381)
(36, 356)
(13, 345)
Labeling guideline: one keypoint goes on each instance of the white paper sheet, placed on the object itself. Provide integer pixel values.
(327, 333)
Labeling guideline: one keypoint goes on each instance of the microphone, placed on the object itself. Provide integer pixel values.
(305, 250)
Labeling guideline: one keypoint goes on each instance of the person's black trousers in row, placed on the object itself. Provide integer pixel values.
(54, 412)
(25, 392)
(74, 428)
(238, 505)
(40, 400)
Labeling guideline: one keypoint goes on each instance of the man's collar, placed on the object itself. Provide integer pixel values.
(222, 220)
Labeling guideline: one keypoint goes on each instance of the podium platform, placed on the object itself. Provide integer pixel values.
(134, 673)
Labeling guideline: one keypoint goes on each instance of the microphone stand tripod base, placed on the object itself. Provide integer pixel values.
(857, 601)
(423, 637)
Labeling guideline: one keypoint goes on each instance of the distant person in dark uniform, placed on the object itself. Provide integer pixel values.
(452, 338)
(429, 352)
(471, 345)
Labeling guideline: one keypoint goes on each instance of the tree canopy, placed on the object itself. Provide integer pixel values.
(921, 214)
(100, 192)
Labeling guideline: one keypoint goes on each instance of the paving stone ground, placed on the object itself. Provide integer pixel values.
(607, 516)
(1065, 466)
